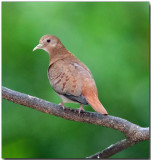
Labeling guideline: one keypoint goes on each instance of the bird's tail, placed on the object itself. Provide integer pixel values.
(95, 103)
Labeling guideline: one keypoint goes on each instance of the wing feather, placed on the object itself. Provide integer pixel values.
(67, 77)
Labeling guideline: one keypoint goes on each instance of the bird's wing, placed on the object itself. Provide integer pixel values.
(67, 77)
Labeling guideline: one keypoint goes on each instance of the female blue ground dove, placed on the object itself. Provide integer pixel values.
(69, 77)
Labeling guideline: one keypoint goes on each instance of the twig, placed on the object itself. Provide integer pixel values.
(133, 132)
(114, 148)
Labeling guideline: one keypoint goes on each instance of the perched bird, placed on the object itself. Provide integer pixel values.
(69, 77)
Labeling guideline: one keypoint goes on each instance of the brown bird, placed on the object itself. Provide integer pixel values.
(69, 77)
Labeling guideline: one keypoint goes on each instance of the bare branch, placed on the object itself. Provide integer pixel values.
(133, 132)
(114, 148)
(117, 147)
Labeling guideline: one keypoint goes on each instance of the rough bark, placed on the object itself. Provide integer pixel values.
(133, 132)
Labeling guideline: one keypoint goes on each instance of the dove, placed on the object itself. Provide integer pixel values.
(68, 76)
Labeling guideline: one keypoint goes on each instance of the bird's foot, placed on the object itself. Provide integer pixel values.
(80, 109)
(62, 105)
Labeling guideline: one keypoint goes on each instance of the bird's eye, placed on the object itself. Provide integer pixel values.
(48, 40)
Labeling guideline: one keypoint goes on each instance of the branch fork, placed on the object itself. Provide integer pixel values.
(134, 133)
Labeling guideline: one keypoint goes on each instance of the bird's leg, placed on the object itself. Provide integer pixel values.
(62, 105)
(81, 108)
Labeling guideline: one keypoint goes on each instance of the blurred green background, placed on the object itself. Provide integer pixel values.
(111, 38)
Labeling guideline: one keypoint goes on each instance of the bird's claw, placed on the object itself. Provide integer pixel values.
(62, 105)
(80, 109)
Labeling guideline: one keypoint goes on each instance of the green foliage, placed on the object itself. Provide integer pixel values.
(111, 38)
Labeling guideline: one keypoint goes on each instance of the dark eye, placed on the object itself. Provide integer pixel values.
(48, 40)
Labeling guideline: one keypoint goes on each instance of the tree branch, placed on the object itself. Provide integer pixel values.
(114, 148)
(133, 132)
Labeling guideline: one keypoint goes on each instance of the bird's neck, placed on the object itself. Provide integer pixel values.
(58, 54)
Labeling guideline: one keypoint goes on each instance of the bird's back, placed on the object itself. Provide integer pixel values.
(69, 75)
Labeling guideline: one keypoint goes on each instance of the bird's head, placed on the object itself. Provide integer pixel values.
(48, 42)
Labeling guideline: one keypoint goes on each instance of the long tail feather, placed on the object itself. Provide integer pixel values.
(96, 104)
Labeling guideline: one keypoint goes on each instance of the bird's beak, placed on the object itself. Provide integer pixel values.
(38, 47)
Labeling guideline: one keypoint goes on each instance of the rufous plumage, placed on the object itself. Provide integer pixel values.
(69, 77)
